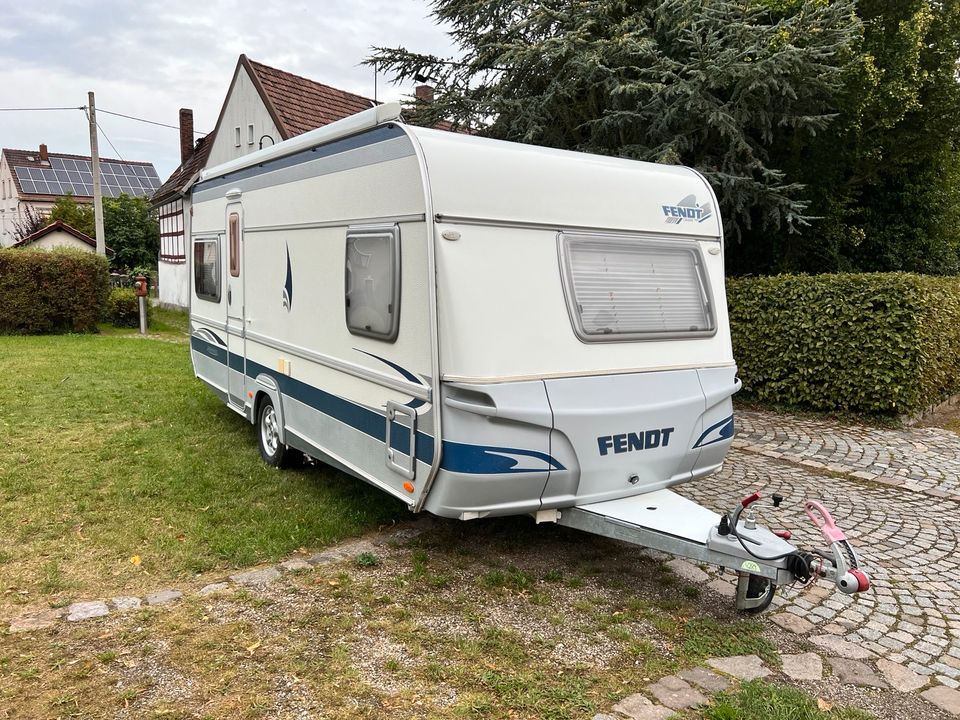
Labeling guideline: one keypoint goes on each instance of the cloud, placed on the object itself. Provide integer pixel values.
(150, 59)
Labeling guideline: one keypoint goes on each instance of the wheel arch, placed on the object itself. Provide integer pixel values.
(267, 388)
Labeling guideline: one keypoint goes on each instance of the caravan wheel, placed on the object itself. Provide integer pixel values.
(272, 450)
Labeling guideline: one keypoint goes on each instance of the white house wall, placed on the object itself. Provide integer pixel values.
(60, 239)
(173, 281)
(244, 107)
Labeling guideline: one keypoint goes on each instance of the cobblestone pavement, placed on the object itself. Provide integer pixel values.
(921, 459)
(903, 521)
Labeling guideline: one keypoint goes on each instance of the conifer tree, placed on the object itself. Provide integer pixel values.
(708, 84)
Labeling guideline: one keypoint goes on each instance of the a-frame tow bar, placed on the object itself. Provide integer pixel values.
(762, 559)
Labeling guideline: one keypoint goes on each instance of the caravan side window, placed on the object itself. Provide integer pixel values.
(642, 288)
(206, 269)
(372, 282)
(233, 232)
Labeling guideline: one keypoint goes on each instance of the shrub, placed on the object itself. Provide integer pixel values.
(52, 291)
(883, 343)
(123, 308)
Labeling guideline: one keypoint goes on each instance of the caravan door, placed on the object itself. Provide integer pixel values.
(236, 334)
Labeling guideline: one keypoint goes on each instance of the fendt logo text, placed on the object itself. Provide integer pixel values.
(687, 209)
(628, 442)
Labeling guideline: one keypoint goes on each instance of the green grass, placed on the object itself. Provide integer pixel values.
(112, 449)
(758, 700)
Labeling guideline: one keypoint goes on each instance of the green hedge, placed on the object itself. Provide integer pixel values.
(51, 291)
(123, 308)
(882, 343)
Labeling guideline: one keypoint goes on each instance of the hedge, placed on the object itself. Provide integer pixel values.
(882, 343)
(123, 308)
(51, 291)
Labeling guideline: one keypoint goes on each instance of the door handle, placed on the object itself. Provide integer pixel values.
(229, 296)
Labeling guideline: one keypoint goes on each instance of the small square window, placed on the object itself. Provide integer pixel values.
(206, 269)
(249, 134)
(373, 281)
(236, 136)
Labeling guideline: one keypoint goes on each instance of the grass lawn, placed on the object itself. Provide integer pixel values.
(495, 620)
(122, 474)
(113, 451)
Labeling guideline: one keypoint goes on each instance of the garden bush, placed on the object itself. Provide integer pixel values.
(52, 291)
(123, 308)
(880, 343)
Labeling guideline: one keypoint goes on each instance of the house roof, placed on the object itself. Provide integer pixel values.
(55, 161)
(55, 226)
(181, 176)
(299, 104)
(296, 104)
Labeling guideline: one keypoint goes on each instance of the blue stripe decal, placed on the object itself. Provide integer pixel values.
(208, 334)
(416, 402)
(371, 137)
(718, 432)
(457, 457)
(209, 349)
(486, 460)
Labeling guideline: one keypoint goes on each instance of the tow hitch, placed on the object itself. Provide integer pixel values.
(763, 560)
(755, 589)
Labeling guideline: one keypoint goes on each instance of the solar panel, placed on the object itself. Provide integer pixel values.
(68, 175)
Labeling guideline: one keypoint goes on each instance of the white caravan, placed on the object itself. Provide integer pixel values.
(483, 328)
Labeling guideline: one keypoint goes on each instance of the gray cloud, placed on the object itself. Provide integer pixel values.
(150, 59)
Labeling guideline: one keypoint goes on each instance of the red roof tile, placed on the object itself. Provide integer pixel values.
(194, 164)
(301, 104)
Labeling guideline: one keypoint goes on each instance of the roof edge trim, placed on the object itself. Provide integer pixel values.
(341, 128)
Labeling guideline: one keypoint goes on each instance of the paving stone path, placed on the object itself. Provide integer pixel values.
(896, 492)
(924, 460)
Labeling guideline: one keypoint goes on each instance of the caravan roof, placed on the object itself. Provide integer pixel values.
(479, 179)
(512, 183)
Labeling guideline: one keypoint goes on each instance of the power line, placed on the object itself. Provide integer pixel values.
(108, 112)
(109, 141)
(37, 109)
(144, 120)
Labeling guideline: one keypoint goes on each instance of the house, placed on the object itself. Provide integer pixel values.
(59, 235)
(34, 179)
(263, 106)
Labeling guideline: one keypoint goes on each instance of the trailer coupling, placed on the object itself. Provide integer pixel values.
(763, 559)
(839, 564)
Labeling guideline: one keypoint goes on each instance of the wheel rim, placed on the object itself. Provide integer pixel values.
(269, 432)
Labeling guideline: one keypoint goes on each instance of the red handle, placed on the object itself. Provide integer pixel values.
(749, 499)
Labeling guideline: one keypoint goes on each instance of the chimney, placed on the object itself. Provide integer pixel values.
(186, 134)
(44, 156)
(424, 93)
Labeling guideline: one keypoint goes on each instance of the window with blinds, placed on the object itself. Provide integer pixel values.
(635, 289)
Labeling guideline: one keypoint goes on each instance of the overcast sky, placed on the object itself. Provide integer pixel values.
(151, 59)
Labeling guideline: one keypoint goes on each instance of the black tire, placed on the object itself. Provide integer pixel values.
(272, 450)
(760, 587)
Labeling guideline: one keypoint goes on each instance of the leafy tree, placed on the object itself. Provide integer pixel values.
(130, 229)
(28, 223)
(886, 178)
(708, 84)
(131, 232)
(79, 216)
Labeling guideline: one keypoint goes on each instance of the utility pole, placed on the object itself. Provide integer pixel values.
(95, 160)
